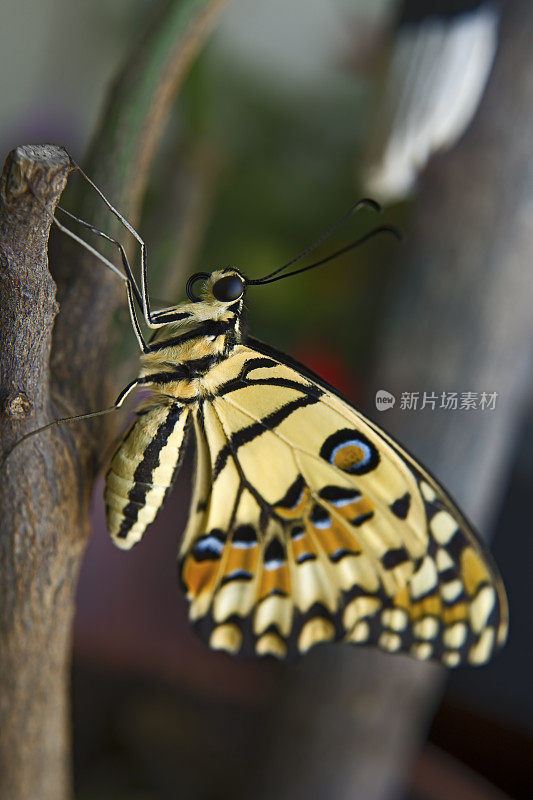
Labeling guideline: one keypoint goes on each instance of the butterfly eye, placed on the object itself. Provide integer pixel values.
(229, 288)
(189, 288)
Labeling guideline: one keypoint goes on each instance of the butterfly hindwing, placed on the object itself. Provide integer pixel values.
(309, 524)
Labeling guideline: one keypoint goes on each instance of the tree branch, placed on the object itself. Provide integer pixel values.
(40, 537)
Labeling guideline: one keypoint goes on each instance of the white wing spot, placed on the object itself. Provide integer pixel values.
(360, 633)
(481, 652)
(422, 650)
(451, 591)
(316, 630)
(455, 635)
(428, 493)
(481, 607)
(395, 618)
(451, 659)
(358, 609)
(426, 628)
(424, 580)
(443, 560)
(443, 526)
(226, 637)
(390, 641)
(271, 645)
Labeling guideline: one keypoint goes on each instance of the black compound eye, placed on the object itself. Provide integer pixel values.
(229, 288)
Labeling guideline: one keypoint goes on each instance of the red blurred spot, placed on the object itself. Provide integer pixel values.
(330, 366)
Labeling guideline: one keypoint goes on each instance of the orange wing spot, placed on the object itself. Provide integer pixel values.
(349, 456)
(242, 558)
(274, 579)
(403, 600)
(298, 510)
(473, 571)
(337, 538)
(300, 546)
(456, 613)
(430, 606)
(200, 576)
(363, 506)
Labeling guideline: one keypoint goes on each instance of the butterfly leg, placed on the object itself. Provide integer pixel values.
(144, 296)
(131, 286)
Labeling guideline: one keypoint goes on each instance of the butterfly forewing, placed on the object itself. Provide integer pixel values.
(309, 524)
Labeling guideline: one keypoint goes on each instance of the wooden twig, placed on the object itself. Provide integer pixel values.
(41, 524)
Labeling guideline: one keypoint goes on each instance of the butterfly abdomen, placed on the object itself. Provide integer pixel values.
(142, 470)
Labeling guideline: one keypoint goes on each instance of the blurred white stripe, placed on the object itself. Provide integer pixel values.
(436, 77)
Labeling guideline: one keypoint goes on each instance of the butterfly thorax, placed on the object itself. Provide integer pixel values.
(197, 337)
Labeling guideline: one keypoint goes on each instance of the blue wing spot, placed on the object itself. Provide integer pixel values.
(237, 575)
(210, 546)
(305, 557)
(320, 518)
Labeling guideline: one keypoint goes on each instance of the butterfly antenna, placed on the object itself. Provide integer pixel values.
(366, 202)
(357, 243)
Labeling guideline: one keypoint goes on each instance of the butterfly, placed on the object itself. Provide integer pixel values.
(308, 523)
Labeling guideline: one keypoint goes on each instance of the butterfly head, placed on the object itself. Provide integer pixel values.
(215, 296)
(213, 312)
(223, 289)
(215, 303)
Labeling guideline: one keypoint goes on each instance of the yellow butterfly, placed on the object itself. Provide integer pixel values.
(308, 523)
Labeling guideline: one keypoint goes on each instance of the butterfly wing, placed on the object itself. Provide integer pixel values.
(310, 524)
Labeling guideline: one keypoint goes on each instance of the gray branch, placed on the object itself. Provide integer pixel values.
(39, 537)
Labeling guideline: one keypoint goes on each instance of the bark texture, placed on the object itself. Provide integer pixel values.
(43, 527)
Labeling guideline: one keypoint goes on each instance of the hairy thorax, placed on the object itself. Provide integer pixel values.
(181, 355)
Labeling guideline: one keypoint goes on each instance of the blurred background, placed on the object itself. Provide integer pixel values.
(292, 111)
